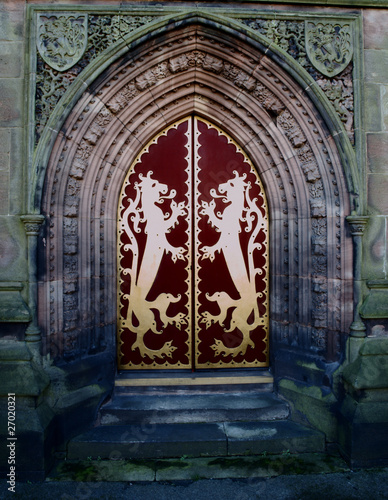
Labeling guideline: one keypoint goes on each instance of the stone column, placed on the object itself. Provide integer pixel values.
(32, 224)
(357, 225)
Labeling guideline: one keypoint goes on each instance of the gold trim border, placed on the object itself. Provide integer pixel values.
(192, 381)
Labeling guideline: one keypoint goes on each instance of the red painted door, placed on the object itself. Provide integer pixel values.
(192, 254)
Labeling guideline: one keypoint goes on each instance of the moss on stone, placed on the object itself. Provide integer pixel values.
(166, 464)
(79, 471)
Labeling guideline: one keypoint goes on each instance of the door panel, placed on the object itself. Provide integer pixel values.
(192, 254)
(154, 256)
(231, 299)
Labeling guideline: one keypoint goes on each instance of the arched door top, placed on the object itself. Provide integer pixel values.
(138, 47)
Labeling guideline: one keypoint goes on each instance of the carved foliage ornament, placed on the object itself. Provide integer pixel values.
(329, 46)
(62, 39)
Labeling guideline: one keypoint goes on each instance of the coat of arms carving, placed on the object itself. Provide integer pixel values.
(62, 39)
(329, 46)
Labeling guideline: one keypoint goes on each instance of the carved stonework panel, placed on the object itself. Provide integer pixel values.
(259, 106)
(104, 30)
(52, 82)
(62, 39)
(291, 36)
(329, 46)
(288, 35)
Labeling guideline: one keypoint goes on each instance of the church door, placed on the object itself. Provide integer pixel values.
(192, 254)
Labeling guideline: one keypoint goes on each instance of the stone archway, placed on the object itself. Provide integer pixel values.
(217, 75)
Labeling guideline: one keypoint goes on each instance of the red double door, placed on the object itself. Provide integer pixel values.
(192, 254)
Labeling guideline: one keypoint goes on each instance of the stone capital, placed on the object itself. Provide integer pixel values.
(357, 224)
(32, 223)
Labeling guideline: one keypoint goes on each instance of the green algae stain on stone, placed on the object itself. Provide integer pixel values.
(166, 464)
(79, 471)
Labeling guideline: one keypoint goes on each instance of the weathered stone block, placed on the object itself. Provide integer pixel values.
(309, 405)
(11, 60)
(363, 422)
(13, 260)
(374, 251)
(373, 112)
(375, 28)
(364, 443)
(17, 181)
(5, 147)
(370, 369)
(4, 186)
(376, 66)
(12, 306)
(376, 303)
(377, 193)
(12, 20)
(377, 145)
(19, 374)
(384, 106)
(11, 99)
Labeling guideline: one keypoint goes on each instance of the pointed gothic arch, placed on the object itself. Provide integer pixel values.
(201, 67)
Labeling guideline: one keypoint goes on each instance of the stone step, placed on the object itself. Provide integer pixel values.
(193, 383)
(195, 440)
(192, 408)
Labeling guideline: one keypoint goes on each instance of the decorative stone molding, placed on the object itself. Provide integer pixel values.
(62, 39)
(357, 224)
(335, 49)
(205, 72)
(52, 82)
(293, 37)
(32, 224)
(329, 46)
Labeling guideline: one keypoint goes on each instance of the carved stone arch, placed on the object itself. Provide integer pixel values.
(208, 71)
(129, 46)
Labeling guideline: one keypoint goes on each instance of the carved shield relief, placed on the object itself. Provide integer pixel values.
(192, 254)
(329, 46)
(62, 39)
